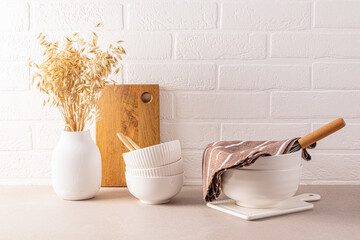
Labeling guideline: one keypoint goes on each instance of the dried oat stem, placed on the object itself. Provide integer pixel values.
(74, 75)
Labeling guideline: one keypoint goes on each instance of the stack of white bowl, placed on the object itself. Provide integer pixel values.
(155, 174)
(265, 183)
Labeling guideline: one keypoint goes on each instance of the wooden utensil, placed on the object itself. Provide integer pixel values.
(318, 134)
(134, 111)
(125, 141)
(133, 143)
(128, 142)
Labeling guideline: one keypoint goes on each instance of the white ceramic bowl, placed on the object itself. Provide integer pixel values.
(260, 188)
(154, 190)
(153, 156)
(279, 162)
(166, 170)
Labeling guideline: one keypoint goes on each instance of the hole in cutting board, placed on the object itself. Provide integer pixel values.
(146, 97)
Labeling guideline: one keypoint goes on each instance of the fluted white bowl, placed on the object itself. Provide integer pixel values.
(166, 170)
(279, 162)
(153, 156)
(260, 188)
(154, 190)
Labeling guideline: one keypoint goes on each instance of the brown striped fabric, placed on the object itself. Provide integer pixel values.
(223, 155)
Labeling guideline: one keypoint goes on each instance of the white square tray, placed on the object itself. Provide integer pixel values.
(294, 204)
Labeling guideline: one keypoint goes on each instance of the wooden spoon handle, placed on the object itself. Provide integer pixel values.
(132, 143)
(322, 132)
(125, 142)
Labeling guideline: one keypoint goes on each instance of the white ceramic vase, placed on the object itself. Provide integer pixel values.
(76, 166)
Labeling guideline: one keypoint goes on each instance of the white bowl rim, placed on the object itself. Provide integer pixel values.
(158, 177)
(281, 155)
(177, 161)
(153, 146)
(265, 170)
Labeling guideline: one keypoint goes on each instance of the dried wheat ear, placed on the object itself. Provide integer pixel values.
(73, 76)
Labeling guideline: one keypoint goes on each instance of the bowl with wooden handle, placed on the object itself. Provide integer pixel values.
(272, 179)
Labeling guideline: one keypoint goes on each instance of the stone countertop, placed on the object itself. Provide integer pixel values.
(35, 212)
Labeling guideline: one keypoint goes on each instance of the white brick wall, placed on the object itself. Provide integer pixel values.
(337, 14)
(191, 135)
(14, 76)
(16, 13)
(193, 167)
(227, 69)
(264, 77)
(47, 135)
(222, 106)
(315, 45)
(166, 105)
(76, 15)
(184, 76)
(21, 106)
(261, 131)
(331, 167)
(336, 75)
(142, 45)
(15, 138)
(25, 167)
(167, 15)
(220, 46)
(315, 104)
(17, 46)
(266, 15)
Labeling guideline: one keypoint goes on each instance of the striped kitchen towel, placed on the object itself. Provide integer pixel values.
(223, 155)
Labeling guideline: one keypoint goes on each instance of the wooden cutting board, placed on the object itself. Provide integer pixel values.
(134, 111)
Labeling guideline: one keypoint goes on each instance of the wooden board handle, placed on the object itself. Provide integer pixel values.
(322, 132)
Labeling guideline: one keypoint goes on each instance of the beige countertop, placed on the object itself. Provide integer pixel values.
(35, 212)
